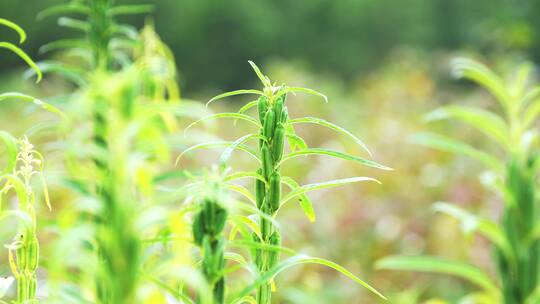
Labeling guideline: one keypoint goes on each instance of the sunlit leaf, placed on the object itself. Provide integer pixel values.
(438, 265)
(304, 259)
(72, 7)
(304, 200)
(248, 106)
(324, 123)
(40, 103)
(75, 24)
(479, 73)
(229, 150)
(454, 146)
(131, 9)
(485, 121)
(225, 115)
(234, 93)
(243, 174)
(323, 185)
(265, 81)
(217, 144)
(10, 143)
(304, 90)
(328, 152)
(472, 223)
(16, 28)
(23, 56)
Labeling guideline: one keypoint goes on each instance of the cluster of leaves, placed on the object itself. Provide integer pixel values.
(23, 162)
(515, 237)
(258, 230)
(127, 239)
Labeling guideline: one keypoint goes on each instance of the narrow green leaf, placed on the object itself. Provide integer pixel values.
(63, 44)
(130, 9)
(324, 123)
(248, 106)
(225, 115)
(479, 73)
(451, 145)
(229, 150)
(23, 56)
(530, 114)
(304, 259)
(10, 143)
(218, 144)
(75, 75)
(305, 202)
(63, 9)
(320, 151)
(242, 191)
(304, 90)
(487, 122)
(19, 188)
(244, 299)
(265, 80)
(16, 28)
(438, 265)
(234, 93)
(40, 103)
(471, 223)
(244, 174)
(75, 24)
(329, 184)
(295, 142)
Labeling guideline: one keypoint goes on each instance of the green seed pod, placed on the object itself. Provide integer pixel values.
(22, 292)
(33, 254)
(208, 211)
(269, 124)
(198, 228)
(274, 192)
(207, 262)
(260, 190)
(278, 107)
(32, 286)
(263, 294)
(267, 163)
(262, 106)
(261, 139)
(284, 115)
(220, 219)
(278, 142)
(21, 261)
(257, 254)
(266, 227)
(219, 291)
(273, 256)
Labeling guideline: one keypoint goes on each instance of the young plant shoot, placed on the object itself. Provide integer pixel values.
(515, 236)
(274, 129)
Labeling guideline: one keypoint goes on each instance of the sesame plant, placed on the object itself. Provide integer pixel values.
(514, 167)
(208, 228)
(126, 89)
(24, 250)
(23, 164)
(273, 129)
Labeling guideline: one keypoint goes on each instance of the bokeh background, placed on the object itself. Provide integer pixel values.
(383, 64)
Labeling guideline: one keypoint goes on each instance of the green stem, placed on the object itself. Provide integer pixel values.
(273, 115)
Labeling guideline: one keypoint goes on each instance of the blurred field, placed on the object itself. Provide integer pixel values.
(383, 65)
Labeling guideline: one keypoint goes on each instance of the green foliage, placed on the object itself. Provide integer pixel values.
(516, 254)
(275, 129)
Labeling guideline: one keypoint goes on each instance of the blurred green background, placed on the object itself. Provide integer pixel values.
(383, 64)
(345, 38)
